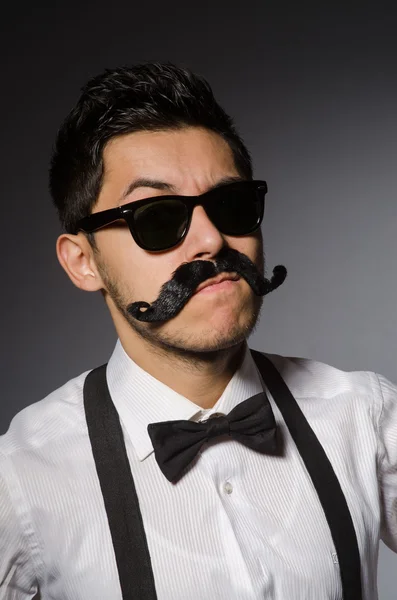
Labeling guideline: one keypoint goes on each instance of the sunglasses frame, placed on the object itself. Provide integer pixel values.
(126, 212)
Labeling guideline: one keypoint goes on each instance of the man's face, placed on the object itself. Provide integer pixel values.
(190, 161)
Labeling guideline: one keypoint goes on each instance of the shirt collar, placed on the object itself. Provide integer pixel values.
(141, 399)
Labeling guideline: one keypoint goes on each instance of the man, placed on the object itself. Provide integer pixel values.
(187, 468)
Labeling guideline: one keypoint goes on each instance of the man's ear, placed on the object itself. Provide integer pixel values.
(77, 259)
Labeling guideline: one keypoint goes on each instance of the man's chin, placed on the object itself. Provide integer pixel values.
(203, 346)
(211, 337)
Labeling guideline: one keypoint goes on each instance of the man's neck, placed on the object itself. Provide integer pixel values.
(200, 377)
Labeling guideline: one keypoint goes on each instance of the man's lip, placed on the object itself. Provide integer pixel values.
(218, 279)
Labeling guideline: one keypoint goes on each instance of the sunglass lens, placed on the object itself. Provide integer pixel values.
(161, 224)
(237, 211)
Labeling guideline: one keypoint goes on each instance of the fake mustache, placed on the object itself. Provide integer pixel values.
(176, 292)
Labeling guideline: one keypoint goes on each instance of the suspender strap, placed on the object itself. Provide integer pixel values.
(323, 476)
(118, 490)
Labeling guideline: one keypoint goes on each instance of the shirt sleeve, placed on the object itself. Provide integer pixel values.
(387, 429)
(17, 576)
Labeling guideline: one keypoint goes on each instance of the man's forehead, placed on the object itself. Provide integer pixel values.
(185, 161)
(180, 146)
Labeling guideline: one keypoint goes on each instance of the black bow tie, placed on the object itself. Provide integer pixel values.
(177, 443)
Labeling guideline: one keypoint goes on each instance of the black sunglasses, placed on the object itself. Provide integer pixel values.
(162, 222)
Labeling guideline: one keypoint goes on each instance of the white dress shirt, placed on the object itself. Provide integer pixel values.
(238, 526)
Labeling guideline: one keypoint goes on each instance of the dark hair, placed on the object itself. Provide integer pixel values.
(151, 96)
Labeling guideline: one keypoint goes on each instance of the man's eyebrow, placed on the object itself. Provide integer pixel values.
(162, 185)
(145, 182)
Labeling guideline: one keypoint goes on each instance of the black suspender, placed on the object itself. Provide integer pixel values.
(122, 504)
(323, 476)
(118, 490)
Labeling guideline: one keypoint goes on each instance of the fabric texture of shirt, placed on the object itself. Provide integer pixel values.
(239, 525)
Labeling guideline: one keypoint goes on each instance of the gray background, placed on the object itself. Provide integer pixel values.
(313, 90)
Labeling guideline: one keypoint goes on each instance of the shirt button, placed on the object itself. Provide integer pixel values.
(228, 488)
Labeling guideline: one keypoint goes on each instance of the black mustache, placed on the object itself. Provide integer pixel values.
(176, 292)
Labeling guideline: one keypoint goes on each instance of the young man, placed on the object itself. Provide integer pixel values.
(187, 468)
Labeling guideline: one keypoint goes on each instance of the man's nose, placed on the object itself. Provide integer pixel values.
(203, 239)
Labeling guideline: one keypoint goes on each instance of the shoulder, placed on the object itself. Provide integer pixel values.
(308, 378)
(47, 420)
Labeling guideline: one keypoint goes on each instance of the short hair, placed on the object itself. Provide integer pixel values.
(151, 97)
